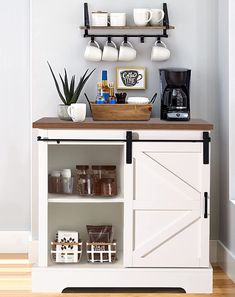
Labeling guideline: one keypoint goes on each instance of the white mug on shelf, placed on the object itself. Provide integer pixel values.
(110, 53)
(117, 19)
(77, 112)
(142, 16)
(127, 52)
(160, 52)
(157, 16)
(99, 19)
(93, 52)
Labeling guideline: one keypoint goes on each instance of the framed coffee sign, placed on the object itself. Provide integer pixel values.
(131, 78)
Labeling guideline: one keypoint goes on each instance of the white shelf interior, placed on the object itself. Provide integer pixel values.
(68, 156)
(75, 217)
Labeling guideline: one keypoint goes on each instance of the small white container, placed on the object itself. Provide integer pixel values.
(138, 100)
(99, 19)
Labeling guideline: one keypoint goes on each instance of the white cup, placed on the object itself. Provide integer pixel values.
(77, 112)
(142, 16)
(117, 19)
(93, 52)
(110, 53)
(157, 16)
(160, 52)
(99, 19)
(127, 53)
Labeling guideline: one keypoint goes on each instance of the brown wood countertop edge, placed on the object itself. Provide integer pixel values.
(153, 124)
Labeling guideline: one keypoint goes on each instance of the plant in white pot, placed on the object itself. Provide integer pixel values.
(70, 93)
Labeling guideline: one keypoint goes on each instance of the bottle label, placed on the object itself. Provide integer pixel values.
(105, 96)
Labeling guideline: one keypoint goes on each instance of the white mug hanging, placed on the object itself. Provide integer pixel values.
(93, 53)
(160, 52)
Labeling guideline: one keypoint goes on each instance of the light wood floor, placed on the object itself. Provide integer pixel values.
(15, 281)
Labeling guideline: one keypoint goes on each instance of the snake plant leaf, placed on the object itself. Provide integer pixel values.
(57, 85)
(66, 82)
(72, 84)
(81, 84)
(66, 92)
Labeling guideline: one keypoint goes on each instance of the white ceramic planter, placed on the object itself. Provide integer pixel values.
(62, 112)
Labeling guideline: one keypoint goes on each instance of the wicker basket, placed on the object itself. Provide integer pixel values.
(61, 254)
(100, 252)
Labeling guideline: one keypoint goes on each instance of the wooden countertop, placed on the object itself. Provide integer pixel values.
(152, 124)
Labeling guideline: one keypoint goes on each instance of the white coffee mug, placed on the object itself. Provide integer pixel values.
(117, 19)
(157, 16)
(77, 112)
(142, 16)
(160, 52)
(93, 52)
(110, 53)
(127, 52)
(99, 19)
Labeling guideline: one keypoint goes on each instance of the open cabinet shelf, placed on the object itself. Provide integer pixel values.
(56, 198)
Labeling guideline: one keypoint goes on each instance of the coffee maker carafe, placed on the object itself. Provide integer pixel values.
(175, 92)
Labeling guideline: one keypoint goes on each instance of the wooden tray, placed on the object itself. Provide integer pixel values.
(121, 112)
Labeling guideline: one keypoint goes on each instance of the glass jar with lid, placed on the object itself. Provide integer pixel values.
(83, 180)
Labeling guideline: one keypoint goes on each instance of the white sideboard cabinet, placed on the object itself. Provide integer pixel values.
(161, 215)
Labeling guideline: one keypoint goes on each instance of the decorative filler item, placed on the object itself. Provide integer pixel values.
(131, 78)
(67, 248)
(71, 91)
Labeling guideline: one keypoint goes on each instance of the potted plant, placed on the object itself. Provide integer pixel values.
(70, 93)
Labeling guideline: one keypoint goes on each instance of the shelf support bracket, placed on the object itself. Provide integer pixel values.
(86, 20)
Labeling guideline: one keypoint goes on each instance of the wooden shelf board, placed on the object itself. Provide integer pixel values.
(54, 198)
(153, 123)
(128, 27)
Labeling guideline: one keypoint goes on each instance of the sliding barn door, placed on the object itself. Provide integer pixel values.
(169, 228)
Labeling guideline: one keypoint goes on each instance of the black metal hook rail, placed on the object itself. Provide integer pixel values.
(164, 34)
(129, 141)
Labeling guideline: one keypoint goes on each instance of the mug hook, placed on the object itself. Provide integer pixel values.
(109, 39)
(125, 39)
(92, 39)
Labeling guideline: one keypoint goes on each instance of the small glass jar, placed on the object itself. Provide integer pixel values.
(54, 183)
(81, 183)
(97, 172)
(108, 187)
(67, 185)
(84, 185)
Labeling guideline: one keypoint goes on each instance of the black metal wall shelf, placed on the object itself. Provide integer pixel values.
(87, 34)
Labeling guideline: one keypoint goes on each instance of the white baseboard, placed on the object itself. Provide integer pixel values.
(33, 252)
(213, 251)
(14, 241)
(226, 260)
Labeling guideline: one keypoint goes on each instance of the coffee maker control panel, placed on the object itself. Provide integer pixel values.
(184, 116)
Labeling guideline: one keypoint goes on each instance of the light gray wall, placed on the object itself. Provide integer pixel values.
(227, 121)
(194, 44)
(15, 116)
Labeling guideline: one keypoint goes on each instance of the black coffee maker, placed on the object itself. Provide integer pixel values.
(175, 92)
